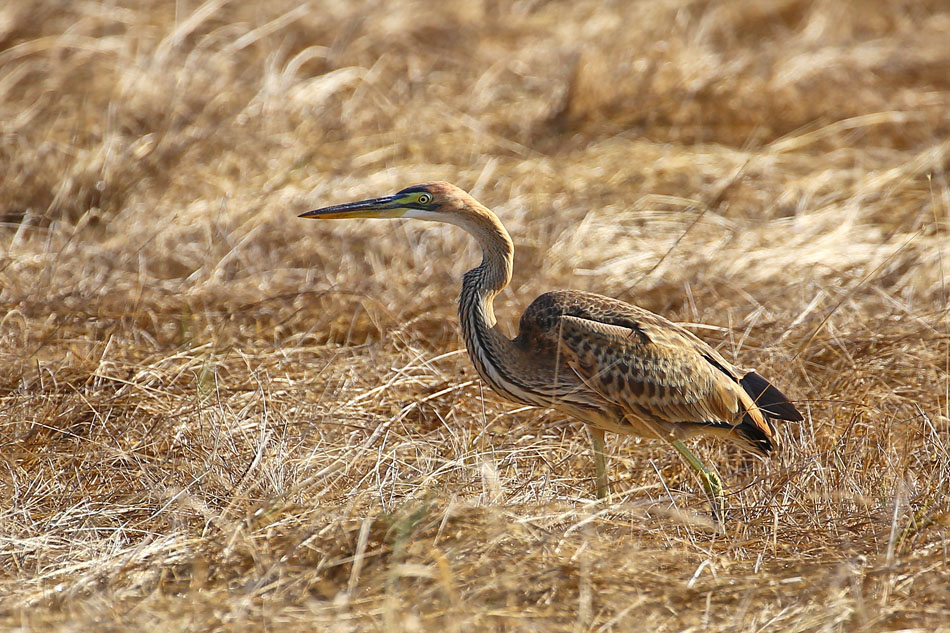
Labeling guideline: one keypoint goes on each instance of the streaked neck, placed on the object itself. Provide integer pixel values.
(481, 284)
(490, 350)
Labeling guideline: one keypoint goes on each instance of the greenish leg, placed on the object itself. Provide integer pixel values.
(711, 481)
(600, 462)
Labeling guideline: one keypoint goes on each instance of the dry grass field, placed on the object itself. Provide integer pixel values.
(215, 416)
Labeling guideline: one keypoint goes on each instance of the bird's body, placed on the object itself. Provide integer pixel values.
(612, 365)
(623, 369)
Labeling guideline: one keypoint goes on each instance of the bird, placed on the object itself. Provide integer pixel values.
(614, 366)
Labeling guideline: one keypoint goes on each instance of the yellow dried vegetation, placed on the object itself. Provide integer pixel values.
(215, 416)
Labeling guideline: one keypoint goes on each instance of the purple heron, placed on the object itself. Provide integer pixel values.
(614, 366)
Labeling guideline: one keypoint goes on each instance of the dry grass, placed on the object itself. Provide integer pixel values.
(217, 417)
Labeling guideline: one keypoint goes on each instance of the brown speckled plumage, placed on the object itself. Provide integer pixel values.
(665, 381)
(612, 365)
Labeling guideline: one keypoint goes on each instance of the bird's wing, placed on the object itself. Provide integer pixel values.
(653, 371)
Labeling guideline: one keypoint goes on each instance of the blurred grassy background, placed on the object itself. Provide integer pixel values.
(218, 417)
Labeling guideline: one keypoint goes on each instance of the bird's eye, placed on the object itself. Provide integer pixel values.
(424, 198)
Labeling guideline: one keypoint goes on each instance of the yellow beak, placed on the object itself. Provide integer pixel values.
(386, 207)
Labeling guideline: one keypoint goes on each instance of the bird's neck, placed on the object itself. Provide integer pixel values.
(490, 350)
(481, 284)
(497, 358)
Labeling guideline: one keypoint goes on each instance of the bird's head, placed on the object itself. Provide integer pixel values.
(436, 201)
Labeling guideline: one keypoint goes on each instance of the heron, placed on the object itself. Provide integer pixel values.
(614, 366)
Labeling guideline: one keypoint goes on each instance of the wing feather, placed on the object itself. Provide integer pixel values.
(678, 385)
(661, 375)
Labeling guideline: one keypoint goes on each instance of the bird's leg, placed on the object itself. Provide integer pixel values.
(600, 462)
(711, 481)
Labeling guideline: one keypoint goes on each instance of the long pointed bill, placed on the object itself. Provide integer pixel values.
(386, 207)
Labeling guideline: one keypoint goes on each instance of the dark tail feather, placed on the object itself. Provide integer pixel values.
(761, 441)
(746, 434)
(770, 400)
